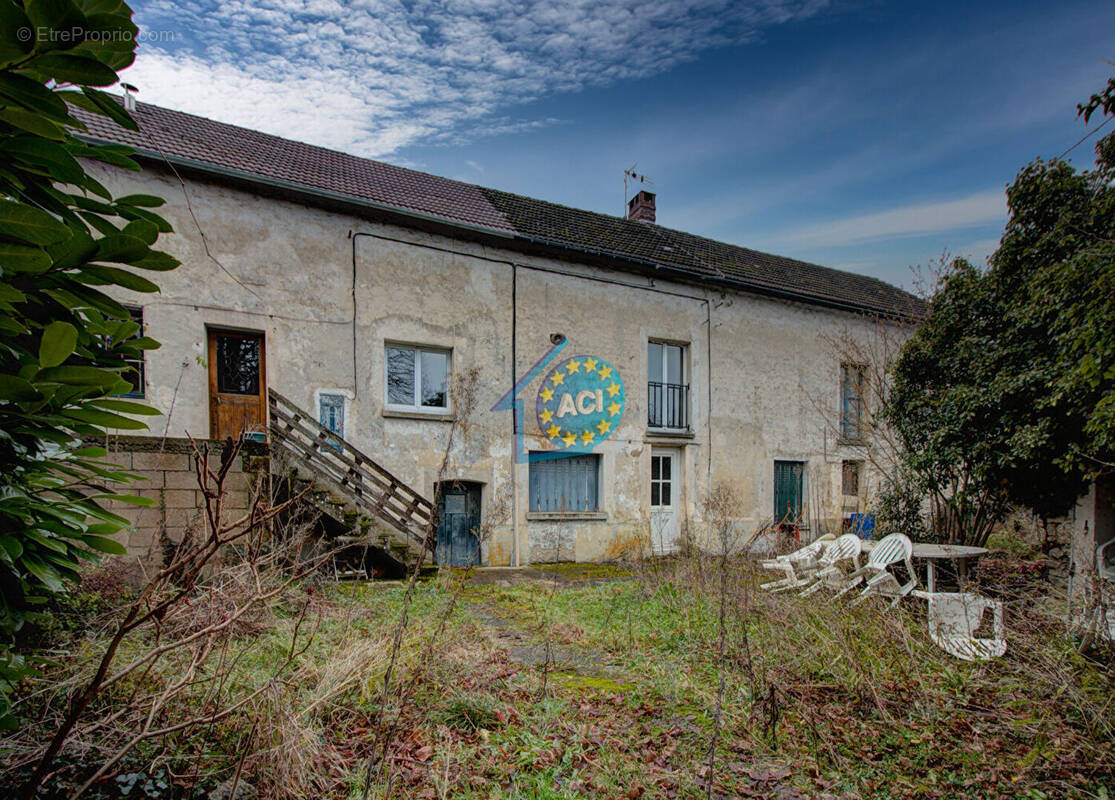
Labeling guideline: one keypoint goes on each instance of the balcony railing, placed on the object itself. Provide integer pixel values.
(667, 405)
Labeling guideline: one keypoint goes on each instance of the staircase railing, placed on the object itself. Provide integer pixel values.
(366, 483)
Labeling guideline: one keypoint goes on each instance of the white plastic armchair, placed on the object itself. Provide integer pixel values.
(796, 565)
(1105, 570)
(832, 570)
(875, 573)
(953, 620)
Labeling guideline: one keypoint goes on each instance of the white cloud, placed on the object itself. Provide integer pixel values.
(979, 252)
(912, 220)
(375, 75)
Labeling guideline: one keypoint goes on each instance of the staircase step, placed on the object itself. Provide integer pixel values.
(345, 484)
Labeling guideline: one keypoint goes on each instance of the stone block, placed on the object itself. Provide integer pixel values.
(120, 458)
(140, 540)
(235, 504)
(179, 480)
(160, 461)
(175, 532)
(181, 498)
(234, 479)
(143, 480)
(181, 517)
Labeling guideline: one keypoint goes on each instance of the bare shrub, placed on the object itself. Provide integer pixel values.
(177, 625)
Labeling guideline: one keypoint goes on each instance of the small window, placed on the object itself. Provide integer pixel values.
(569, 483)
(238, 363)
(852, 384)
(850, 478)
(667, 391)
(136, 374)
(331, 412)
(417, 378)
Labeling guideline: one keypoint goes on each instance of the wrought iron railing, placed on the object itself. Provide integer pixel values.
(668, 405)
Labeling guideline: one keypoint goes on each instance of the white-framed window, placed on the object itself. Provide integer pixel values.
(667, 389)
(417, 378)
(567, 483)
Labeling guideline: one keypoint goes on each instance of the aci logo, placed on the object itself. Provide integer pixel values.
(579, 403)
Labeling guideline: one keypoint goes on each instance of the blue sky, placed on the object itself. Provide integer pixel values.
(867, 136)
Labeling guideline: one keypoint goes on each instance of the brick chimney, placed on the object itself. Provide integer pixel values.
(641, 207)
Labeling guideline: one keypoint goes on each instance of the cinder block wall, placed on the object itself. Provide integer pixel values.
(169, 478)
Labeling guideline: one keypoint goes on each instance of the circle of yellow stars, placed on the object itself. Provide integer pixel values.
(596, 371)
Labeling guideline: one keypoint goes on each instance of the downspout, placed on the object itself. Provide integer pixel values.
(353, 235)
(514, 417)
(708, 390)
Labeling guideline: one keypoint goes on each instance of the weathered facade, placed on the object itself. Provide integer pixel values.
(333, 294)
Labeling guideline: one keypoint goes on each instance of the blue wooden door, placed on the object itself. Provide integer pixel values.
(458, 529)
(788, 490)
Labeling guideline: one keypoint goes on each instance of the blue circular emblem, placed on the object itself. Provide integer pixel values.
(580, 403)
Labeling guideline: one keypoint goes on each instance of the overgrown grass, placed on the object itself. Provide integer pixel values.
(834, 700)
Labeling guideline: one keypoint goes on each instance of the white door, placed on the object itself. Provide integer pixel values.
(665, 500)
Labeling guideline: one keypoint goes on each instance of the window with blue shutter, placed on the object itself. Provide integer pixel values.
(136, 373)
(852, 379)
(331, 414)
(570, 483)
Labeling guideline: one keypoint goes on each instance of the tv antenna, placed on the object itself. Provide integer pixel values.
(630, 174)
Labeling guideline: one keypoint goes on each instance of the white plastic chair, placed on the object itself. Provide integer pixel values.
(1103, 569)
(954, 617)
(830, 573)
(795, 565)
(875, 573)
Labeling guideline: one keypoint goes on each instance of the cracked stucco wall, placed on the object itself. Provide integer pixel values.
(285, 270)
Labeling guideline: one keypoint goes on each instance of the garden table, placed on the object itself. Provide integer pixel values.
(953, 552)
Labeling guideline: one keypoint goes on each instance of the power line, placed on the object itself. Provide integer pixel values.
(1085, 137)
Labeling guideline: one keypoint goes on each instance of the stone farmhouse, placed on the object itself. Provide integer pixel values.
(327, 303)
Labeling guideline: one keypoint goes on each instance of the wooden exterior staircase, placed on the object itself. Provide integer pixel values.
(348, 484)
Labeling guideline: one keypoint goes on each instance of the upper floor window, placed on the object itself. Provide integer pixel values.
(417, 378)
(136, 374)
(852, 384)
(667, 390)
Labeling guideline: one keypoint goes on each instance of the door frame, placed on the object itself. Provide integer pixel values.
(466, 487)
(211, 333)
(677, 485)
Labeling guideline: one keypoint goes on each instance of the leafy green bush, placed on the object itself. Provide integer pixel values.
(66, 344)
(1005, 396)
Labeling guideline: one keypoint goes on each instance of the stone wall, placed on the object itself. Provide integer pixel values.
(166, 469)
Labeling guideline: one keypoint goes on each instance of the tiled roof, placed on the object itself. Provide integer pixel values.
(204, 143)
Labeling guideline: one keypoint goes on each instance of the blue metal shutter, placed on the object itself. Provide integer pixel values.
(565, 484)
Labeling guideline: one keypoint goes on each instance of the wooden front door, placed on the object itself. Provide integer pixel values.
(458, 543)
(237, 384)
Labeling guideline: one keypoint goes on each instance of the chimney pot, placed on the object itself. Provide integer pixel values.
(641, 207)
(129, 96)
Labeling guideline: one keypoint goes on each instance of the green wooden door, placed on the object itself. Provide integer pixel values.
(788, 490)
